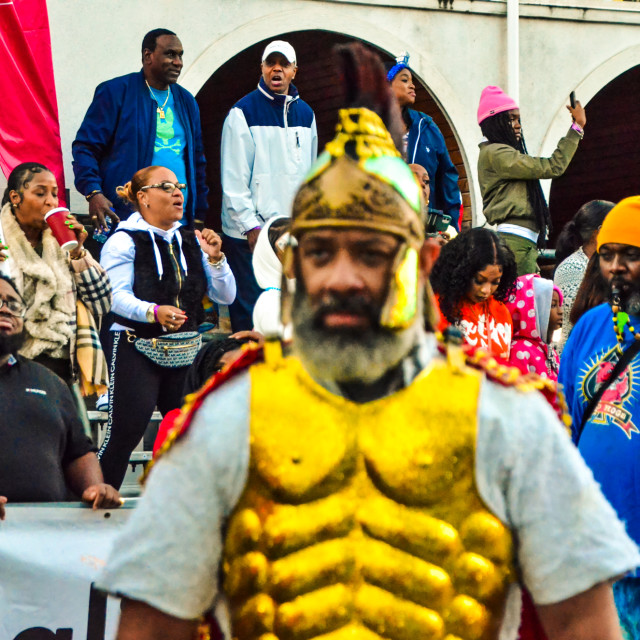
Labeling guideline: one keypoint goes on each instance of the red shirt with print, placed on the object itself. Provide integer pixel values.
(486, 325)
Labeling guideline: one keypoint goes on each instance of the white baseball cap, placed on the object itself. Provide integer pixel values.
(280, 46)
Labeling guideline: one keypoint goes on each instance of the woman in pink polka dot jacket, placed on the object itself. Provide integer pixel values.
(536, 309)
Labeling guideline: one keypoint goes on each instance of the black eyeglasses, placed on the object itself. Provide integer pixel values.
(166, 186)
(15, 307)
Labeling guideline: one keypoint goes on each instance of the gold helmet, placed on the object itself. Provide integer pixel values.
(361, 181)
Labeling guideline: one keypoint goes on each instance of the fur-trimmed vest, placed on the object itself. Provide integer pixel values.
(175, 287)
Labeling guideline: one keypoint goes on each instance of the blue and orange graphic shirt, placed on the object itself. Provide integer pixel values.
(170, 145)
(610, 441)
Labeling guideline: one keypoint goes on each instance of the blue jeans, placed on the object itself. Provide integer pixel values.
(626, 593)
(239, 258)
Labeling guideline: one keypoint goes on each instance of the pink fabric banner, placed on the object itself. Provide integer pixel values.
(29, 126)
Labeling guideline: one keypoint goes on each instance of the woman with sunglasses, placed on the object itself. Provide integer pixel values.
(160, 271)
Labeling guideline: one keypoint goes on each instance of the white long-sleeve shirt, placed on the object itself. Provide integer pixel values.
(118, 257)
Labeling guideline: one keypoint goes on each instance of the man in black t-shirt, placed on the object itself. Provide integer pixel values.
(44, 452)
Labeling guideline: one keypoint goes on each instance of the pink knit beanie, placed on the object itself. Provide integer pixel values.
(494, 100)
(558, 290)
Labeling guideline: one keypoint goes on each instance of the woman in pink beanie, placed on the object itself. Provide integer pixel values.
(510, 178)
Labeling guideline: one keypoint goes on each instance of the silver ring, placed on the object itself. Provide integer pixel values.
(173, 316)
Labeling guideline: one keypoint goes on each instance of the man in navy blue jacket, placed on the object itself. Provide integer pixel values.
(138, 120)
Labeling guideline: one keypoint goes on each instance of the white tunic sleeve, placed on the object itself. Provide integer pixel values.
(169, 552)
(533, 478)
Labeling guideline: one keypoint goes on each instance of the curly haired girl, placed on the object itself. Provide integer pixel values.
(472, 278)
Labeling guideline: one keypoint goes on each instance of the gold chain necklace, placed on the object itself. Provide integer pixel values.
(160, 108)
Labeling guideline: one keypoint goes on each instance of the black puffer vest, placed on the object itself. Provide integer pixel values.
(174, 288)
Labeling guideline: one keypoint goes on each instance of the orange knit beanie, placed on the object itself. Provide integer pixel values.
(622, 224)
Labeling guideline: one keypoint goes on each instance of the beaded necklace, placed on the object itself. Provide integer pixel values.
(160, 108)
(621, 320)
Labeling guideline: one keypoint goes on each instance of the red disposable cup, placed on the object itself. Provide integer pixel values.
(56, 219)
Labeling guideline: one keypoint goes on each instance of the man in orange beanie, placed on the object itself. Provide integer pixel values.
(600, 370)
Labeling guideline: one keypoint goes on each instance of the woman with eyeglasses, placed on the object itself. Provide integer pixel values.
(160, 272)
(49, 279)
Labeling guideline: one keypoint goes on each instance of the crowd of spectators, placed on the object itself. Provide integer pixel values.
(138, 159)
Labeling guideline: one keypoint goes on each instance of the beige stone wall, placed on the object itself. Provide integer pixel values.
(456, 51)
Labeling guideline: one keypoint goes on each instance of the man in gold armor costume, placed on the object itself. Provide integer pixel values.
(366, 487)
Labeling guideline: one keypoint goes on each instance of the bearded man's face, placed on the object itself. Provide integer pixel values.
(620, 266)
(343, 278)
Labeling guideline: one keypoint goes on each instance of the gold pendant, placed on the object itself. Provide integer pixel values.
(161, 112)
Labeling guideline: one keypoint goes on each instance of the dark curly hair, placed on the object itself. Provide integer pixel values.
(461, 258)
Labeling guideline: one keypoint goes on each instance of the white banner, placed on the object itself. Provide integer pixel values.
(49, 558)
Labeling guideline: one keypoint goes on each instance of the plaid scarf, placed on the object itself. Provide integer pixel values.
(92, 365)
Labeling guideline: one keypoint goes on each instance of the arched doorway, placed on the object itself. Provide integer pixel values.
(606, 163)
(317, 85)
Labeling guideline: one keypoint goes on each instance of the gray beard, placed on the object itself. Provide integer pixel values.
(347, 357)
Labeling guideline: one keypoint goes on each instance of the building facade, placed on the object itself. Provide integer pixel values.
(590, 46)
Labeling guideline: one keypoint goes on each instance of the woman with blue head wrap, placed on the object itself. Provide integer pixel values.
(424, 143)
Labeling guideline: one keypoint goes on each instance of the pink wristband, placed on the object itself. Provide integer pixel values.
(155, 313)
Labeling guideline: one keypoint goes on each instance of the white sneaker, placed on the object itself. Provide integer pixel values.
(102, 403)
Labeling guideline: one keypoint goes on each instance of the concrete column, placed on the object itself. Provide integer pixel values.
(513, 50)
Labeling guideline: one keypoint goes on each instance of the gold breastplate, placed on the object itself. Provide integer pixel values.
(364, 521)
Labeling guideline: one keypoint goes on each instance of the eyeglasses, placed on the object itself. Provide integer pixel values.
(166, 186)
(15, 307)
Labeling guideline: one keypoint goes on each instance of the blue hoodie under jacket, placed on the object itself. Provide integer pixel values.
(426, 147)
(117, 136)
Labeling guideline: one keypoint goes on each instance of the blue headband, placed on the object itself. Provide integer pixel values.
(402, 62)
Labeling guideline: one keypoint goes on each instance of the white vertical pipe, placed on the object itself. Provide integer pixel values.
(513, 50)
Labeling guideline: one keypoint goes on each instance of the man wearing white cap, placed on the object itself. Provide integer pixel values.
(269, 141)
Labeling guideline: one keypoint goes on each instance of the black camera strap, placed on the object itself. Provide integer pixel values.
(625, 358)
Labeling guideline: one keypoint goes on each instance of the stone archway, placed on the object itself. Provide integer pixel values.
(605, 166)
(317, 86)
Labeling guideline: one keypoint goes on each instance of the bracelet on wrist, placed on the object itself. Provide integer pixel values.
(93, 193)
(151, 314)
(218, 263)
(576, 127)
(81, 255)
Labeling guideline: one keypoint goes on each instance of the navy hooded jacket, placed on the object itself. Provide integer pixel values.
(117, 136)
(426, 147)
